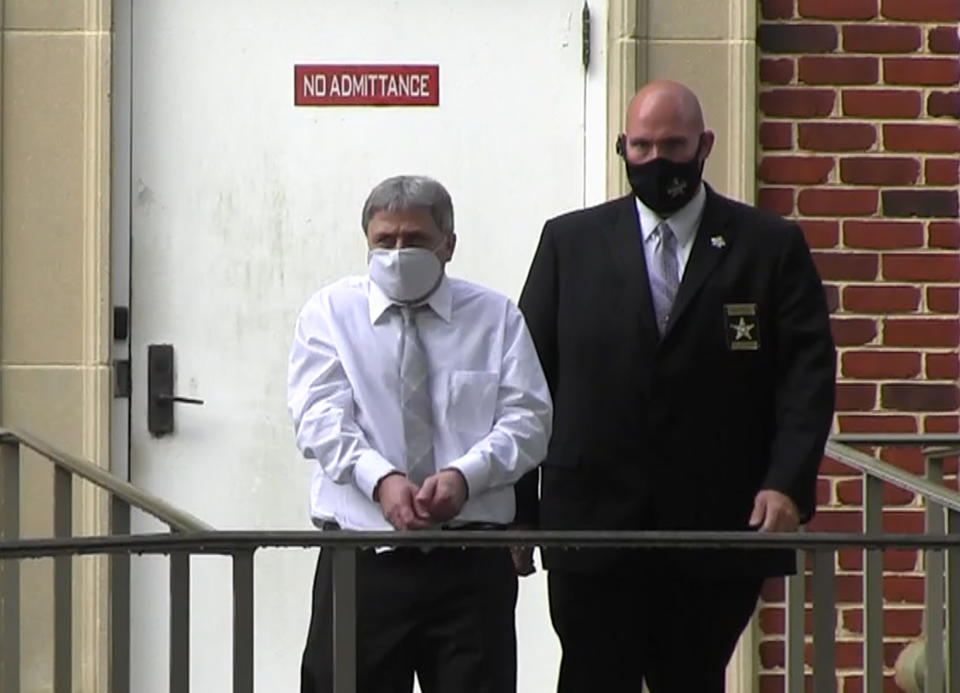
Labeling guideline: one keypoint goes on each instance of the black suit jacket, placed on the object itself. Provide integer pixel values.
(679, 432)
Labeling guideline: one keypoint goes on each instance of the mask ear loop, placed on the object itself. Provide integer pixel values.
(621, 145)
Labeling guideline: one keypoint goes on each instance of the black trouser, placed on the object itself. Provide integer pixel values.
(447, 615)
(629, 623)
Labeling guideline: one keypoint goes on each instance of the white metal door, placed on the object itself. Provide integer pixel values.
(242, 205)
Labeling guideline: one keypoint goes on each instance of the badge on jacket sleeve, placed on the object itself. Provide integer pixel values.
(743, 326)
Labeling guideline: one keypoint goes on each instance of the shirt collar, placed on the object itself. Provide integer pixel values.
(684, 221)
(440, 301)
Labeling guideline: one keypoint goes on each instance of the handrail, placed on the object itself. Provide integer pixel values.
(896, 476)
(951, 439)
(177, 519)
(230, 542)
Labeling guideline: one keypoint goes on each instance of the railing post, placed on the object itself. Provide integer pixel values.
(796, 626)
(63, 583)
(934, 597)
(824, 622)
(243, 622)
(179, 622)
(873, 586)
(9, 531)
(119, 601)
(344, 619)
(953, 605)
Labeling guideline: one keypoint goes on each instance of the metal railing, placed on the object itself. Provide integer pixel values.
(123, 496)
(191, 537)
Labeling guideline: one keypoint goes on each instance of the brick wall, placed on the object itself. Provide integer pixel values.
(859, 142)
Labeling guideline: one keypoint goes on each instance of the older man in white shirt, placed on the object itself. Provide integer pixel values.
(422, 401)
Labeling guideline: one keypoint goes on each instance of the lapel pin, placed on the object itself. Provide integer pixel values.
(718, 241)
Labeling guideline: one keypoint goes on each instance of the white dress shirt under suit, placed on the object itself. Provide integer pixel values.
(491, 406)
(684, 222)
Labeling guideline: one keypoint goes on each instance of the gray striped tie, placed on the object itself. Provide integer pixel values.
(664, 274)
(415, 402)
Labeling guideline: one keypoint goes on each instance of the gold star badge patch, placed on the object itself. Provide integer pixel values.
(743, 326)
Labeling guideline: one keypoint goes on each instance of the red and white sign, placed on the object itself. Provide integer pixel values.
(366, 85)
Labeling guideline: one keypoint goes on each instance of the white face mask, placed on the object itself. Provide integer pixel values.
(405, 275)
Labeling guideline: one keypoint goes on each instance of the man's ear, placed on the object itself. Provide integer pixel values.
(707, 140)
(449, 244)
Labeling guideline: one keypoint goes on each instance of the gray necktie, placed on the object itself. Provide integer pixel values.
(415, 402)
(664, 274)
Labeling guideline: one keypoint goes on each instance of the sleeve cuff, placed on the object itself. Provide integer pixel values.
(369, 469)
(475, 470)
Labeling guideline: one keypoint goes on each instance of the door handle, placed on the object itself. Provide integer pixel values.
(160, 396)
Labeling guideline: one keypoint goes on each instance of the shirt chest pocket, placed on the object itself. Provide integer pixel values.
(472, 401)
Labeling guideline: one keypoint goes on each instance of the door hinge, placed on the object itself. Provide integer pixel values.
(121, 379)
(585, 27)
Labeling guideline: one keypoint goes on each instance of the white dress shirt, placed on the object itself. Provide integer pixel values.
(684, 222)
(491, 407)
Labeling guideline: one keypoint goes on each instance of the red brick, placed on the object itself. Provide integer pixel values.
(844, 70)
(843, 521)
(903, 522)
(773, 590)
(882, 103)
(771, 620)
(832, 294)
(847, 654)
(830, 467)
(831, 9)
(942, 366)
(944, 103)
(943, 299)
(797, 38)
(943, 39)
(909, 459)
(896, 622)
(903, 332)
(795, 169)
(880, 364)
(776, 136)
(922, 267)
(772, 683)
(923, 71)
(776, 70)
(875, 170)
(903, 588)
(920, 203)
(772, 654)
(943, 234)
(922, 10)
(853, 331)
(779, 200)
(776, 9)
(925, 397)
(942, 172)
(881, 299)
(881, 38)
(842, 137)
(844, 266)
(941, 424)
(797, 103)
(894, 560)
(856, 397)
(820, 234)
(876, 424)
(824, 493)
(920, 138)
(851, 493)
(834, 202)
(883, 235)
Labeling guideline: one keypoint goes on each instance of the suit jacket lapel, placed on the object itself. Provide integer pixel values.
(710, 245)
(627, 248)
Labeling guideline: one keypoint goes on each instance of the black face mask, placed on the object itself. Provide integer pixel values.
(663, 185)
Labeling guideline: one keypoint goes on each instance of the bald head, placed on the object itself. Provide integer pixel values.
(665, 120)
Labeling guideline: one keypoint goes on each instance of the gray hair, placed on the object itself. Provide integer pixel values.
(403, 193)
